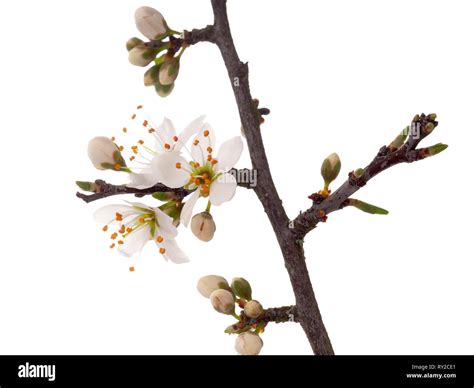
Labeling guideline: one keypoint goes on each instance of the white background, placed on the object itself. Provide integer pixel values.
(339, 76)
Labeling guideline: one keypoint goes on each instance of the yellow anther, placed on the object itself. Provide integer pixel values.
(214, 161)
(141, 142)
(159, 239)
(134, 116)
(117, 167)
(207, 181)
(145, 123)
(129, 230)
(209, 150)
(113, 236)
(162, 251)
(196, 142)
(132, 269)
(112, 246)
(139, 107)
(118, 217)
(120, 242)
(197, 181)
(206, 133)
(141, 220)
(124, 130)
(175, 138)
(132, 158)
(122, 229)
(178, 165)
(167, 146)
(105, 228)
(151, 130)
(209, 158)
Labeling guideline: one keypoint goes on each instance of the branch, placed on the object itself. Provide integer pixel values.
(245, 178)
(308, 310)
(280, 314)
(421, 127)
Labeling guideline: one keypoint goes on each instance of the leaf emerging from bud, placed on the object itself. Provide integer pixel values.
(223, 301)
(248, 344)
(330, 168)
(399, 140)
(134, 42)
(169, 71)
(87, 186)
(150, 23)
(367, 207)
(203, 226)
(253, 309)
(434, 150)
(242, 288)
(210, 283)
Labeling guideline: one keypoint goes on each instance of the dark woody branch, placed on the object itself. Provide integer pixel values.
(421, 127)
(244, 178)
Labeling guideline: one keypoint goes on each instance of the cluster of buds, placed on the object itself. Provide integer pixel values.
(224, 299)
(164, 50)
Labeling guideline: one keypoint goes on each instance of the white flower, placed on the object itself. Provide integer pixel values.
(105, 155)
(150, 22)
(136, 225)
(248, 344)
(207, 175)
(165, 140)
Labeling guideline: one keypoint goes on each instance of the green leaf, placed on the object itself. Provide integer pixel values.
(367, 207)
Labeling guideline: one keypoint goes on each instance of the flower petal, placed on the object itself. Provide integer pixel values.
(173, 252)
(199, 150)
(223, 189)
(167, 131)
(229, 153)
(165, 222)
(171, 176)
(135, 241)
(106, 214)
(188, 207)
(144, 180)
(194, 127)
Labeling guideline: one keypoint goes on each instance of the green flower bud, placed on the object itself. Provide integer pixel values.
(248, 344)
(133, 42)
(150, 77)
(169, 71)
(242, 288)
(330, 169)
(210, 283)
(223, 301)
(359, 172)
(142, 56)
(253, 309)
(203, 226)
(163, 90)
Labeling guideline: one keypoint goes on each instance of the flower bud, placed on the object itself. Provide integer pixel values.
(133, 42)
(105, 155)
(150, 77)
(253, 309)
(248, 344)
(330, 168)
(150, 23)
(242, 288)
(223, 301)
(141, 56)
(163, 90)
(169, 71)
(203, 226)
(210, 283)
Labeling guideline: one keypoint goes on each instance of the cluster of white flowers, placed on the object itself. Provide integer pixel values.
(224, 298)
(185, 160)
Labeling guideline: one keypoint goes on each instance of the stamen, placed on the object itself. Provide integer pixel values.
(134, 116)
(151, 130)
(206, 133)
(139, 107)
(134, 149)
(121, 148)
(112, 246)
(214, 161)
(118, 217)
(122, 229)
(209, 158)
(145, 123)
(113, 236)
(141, 142)
(112, 138)
(141, 220)
(132, 269)
(117, 167)
(124, 130)
(178, 165)
(162, 251)
(196, 142)
(209, 150)
(175, 138)
(132, 158)
(167, 146)
(159, 239)
(120, 242)
(105, 228)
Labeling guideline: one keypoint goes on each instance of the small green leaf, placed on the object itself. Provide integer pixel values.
(367, 207)
(86, 186)
(161, 196)
(399, 140)
(436, 149)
